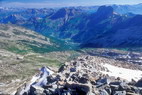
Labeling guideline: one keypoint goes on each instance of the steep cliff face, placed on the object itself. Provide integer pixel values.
(124, 34)
(65, 13)
(98, 24)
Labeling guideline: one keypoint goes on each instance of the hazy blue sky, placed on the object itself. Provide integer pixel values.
(62, 3)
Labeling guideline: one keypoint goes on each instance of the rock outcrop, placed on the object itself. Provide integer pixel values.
(83, 76)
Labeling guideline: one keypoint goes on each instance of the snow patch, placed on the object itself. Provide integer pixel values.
(38, 80)
(123, 73)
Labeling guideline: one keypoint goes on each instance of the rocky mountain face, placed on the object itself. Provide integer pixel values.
(40, 20)
(103, 28)
(109, 30)
(120, 35)
(65, 13)
(87, 75)
(98, 23)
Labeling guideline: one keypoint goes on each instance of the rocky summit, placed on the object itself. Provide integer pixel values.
(86, 75)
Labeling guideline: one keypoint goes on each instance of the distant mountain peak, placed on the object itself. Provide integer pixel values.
(64, 13)
(105, 10)
(59, 14)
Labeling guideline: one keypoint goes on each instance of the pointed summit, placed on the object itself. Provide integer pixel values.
(105, 11)
(65, 13)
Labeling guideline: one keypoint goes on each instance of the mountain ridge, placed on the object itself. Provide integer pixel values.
(75, 25)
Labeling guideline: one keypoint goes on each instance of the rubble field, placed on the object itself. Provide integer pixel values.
(87, 75)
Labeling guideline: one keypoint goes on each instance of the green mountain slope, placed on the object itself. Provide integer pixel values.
(23, 52)
(20, 40)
